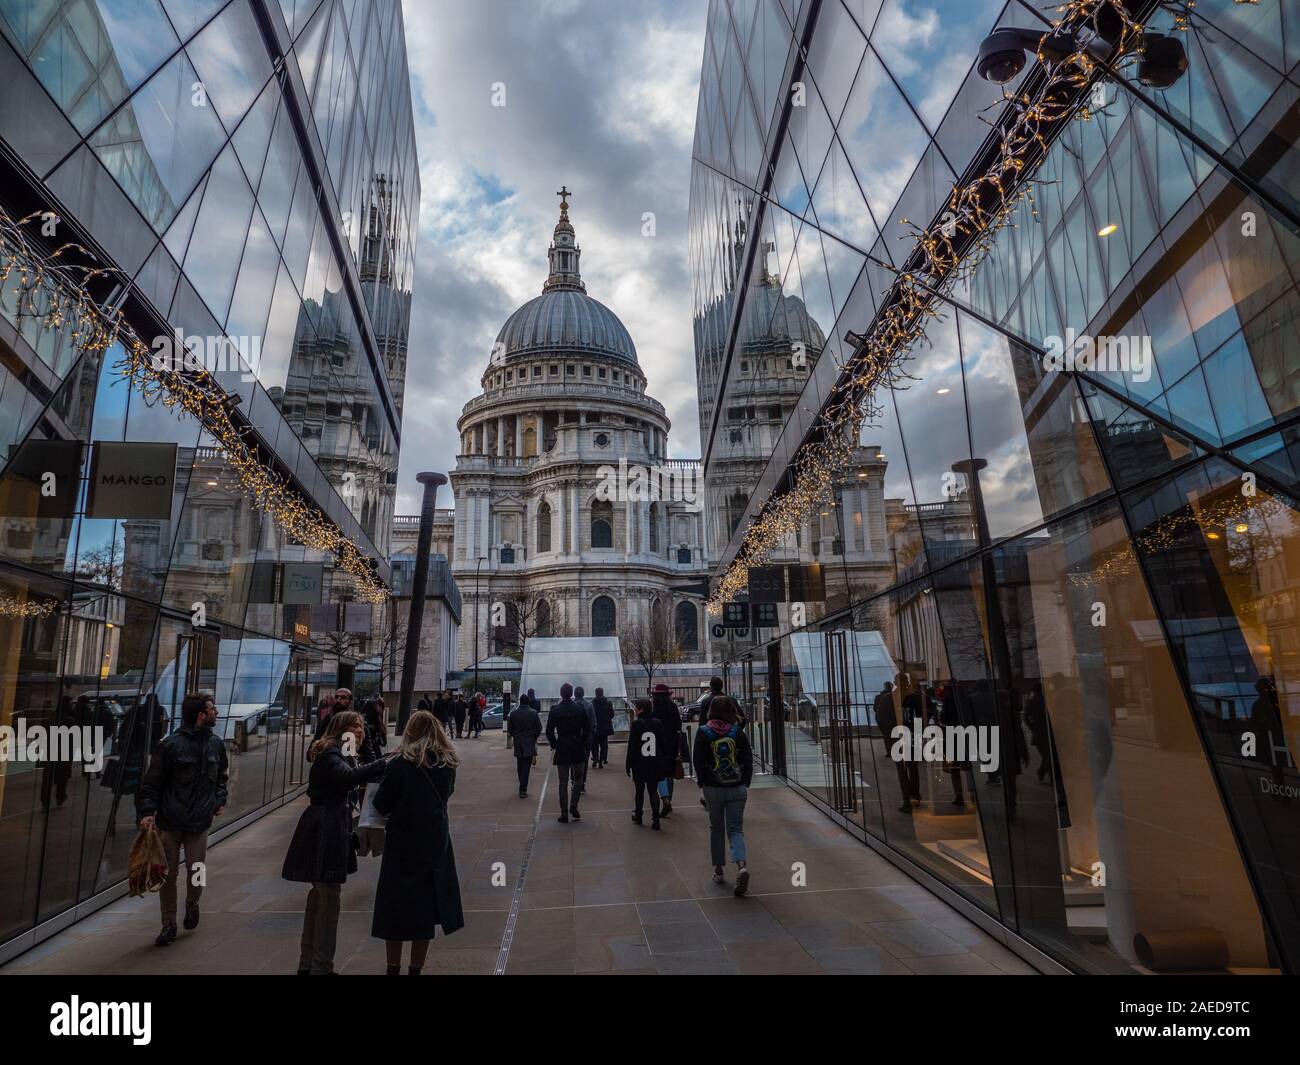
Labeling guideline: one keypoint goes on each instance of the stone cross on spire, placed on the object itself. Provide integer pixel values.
(563, 252)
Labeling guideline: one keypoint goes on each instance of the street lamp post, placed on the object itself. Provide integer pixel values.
(419, 586)
(477, 597)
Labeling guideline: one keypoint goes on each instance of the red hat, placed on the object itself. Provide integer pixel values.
(662, 688)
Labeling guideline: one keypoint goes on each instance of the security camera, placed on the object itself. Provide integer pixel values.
(1163, 61)
(1001, 56)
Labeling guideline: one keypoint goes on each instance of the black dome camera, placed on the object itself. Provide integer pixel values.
(1163, 61)
(1001, 56)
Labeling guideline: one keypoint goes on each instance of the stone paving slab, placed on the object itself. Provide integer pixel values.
(601, 895)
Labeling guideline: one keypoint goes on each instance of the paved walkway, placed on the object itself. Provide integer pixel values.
(599, 896)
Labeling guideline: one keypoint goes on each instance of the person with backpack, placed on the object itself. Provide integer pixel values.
(645, 760)
(418, 890)
(724, 766)
(604, 711)
(569, 735)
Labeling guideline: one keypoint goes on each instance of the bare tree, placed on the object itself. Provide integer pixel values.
(651, 641)
(523, 616)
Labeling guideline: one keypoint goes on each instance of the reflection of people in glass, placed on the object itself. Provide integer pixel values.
(141, 732)
(1036, 722)
(909, 776)
(1266, 724)
(948, 717)
(55, 774)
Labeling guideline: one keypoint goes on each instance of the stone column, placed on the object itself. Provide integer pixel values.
(576, 517)
(485, 524)
(501, 436)
(519, 437)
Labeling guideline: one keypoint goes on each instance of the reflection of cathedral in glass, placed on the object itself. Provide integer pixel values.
(1098, 563)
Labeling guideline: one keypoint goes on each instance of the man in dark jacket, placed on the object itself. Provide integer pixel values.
(604, 711)
(715, 689)
(183, 790)
(442, 707)
(524, 726)
(666, 713)
(569, 734)
(342, 701)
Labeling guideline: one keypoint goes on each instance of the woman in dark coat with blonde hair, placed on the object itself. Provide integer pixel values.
(418, 889)
(320, 852)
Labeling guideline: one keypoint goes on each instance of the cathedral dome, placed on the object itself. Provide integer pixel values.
(564, 318)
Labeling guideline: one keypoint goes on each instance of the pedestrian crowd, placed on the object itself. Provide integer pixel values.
(366, 800)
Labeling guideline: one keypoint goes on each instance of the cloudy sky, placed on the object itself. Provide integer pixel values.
(599, 96)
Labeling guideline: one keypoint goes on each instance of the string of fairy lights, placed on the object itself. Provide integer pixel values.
(942, 255)
(52, 290)
(1214, 521)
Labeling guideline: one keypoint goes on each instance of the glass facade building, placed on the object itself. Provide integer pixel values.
(1104, 561)
(238, 169)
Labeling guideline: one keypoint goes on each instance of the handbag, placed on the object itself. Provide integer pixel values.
(147, 862)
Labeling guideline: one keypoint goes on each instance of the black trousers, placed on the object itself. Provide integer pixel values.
(600, 749)
(525, 764)
(909, 780)
(641, 788)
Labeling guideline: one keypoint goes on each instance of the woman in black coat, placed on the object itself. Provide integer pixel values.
(321, 852)
(646, 760)
(418, 889)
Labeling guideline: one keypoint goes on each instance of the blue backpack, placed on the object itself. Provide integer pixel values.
(726, 756)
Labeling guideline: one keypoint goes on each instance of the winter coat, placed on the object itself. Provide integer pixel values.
(604, 715)
(525, 727)
(321, 849)
(646, 768)
(665, 711)
(186, 781)
(418, 889)
(568, 732)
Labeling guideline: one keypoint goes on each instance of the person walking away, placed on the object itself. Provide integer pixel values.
(321, 853)
(604, 711)
(418, 889)
(425, 703)
(460, 711)
(667, 714)
(715, 689)
(645, 760)
(524, 727)
(579, 698)
(475, 719)
(724, 765)
(568, 733)
(184, 788)
(442, 708)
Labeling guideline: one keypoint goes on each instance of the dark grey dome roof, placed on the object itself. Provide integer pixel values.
(564, 320)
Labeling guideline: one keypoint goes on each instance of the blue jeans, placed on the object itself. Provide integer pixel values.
(726, 811)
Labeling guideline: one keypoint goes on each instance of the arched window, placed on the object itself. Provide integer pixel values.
(602, 616)
(543, 527)
(542, 624)
(688, 632)
(654, 528)
(602, 523)
(657, 616)
(735, 511)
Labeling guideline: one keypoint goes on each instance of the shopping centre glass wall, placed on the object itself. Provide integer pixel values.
(1115, 584)
(272, 202)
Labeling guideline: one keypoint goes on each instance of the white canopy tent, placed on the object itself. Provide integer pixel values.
(590, 661)
(869, 665)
